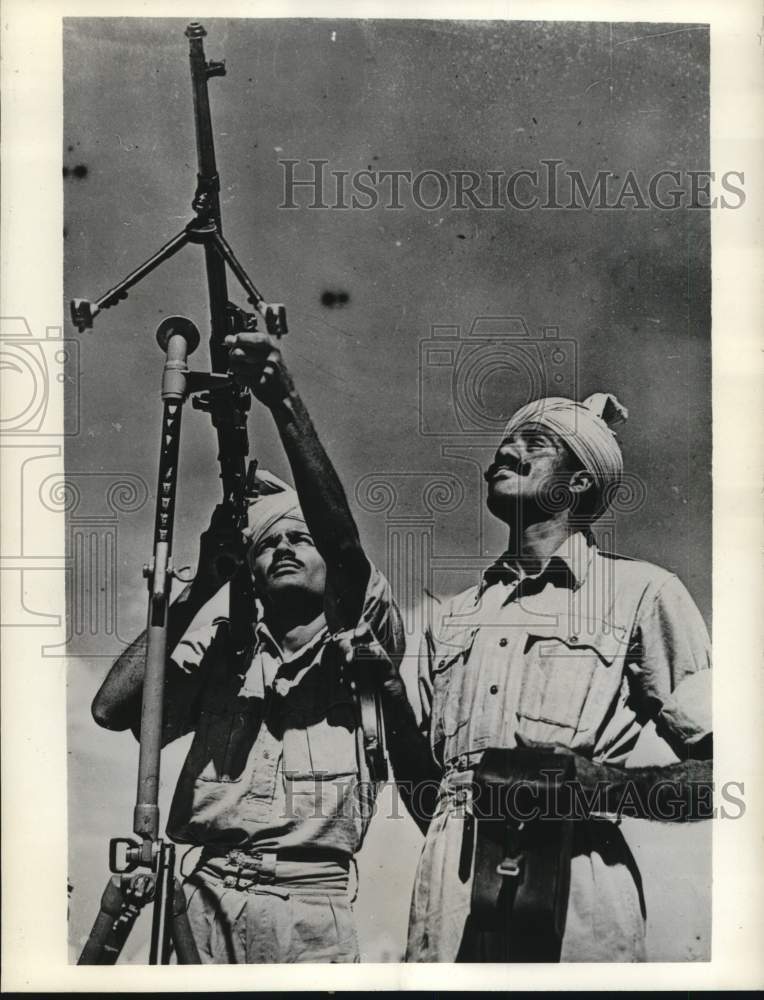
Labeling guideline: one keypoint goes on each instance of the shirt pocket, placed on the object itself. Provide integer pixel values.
(224, 739)
(568, 682)
(451, 698)
(324, 748)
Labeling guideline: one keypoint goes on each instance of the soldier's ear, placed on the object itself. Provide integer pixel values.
(580, 481)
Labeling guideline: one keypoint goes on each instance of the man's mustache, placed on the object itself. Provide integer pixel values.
(285, 561)
(510, 462)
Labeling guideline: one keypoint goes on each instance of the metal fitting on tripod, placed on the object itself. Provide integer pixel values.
(178, 337)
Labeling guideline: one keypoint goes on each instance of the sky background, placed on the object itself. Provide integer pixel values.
(629, 292)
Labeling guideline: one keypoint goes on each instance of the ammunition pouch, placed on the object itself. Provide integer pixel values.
(524, 841)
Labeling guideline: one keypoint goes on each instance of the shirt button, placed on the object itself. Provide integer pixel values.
(266, 754)
(502, 641)
(494, 689)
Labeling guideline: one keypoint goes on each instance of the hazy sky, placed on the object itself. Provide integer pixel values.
(628, 291)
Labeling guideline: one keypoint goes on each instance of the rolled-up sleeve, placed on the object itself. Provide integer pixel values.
(380, 615)
(670, 665)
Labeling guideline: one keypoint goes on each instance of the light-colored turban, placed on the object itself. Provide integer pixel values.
(587, 429)
(277, 502)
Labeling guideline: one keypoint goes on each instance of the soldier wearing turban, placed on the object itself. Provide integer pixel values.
(563, 647)
(276, 789)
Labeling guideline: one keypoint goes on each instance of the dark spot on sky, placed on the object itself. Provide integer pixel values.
(70, 149)
(461, 236)
(80, 171)
(66, 232)
(334, 300)
(375, 157)
(534, 120)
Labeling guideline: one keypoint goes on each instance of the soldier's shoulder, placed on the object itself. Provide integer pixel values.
(444, 609)
(465, 598)
(633, 569)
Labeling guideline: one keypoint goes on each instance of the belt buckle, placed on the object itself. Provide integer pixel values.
(510, 867)
(266, 874)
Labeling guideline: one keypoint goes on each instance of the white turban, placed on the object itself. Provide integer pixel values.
(277, 502)
(587, 429)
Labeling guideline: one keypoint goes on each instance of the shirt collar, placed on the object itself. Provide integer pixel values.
(265, 638)
(573, 556)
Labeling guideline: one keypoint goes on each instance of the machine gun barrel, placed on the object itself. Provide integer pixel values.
(207, 199)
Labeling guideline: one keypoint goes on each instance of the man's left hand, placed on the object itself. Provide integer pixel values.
(256, 361)
(361, 645)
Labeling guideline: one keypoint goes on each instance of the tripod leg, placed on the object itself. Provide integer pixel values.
(273, 314)
(84, 312)
(182, 936)
(111, 928)
(242, 277)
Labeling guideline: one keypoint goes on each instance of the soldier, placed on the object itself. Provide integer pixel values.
(560, 645)
(274, 789)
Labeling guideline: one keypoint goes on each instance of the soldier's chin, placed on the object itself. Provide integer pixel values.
(285, 583)
(502, 506)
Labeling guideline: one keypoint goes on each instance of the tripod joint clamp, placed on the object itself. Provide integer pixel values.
(274, 314)
(158, 583)
(126, 854)
(83, 313)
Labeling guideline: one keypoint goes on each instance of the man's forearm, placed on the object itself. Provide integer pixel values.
(117, 704)
(416, 773)
(322, 497)
(256, 360)
(672, 793)
(325, 508)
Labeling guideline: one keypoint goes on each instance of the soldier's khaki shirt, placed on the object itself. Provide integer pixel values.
(274, 762)
(581, 656)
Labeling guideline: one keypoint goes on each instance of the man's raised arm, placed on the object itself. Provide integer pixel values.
(258, 362)
(117, 705)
